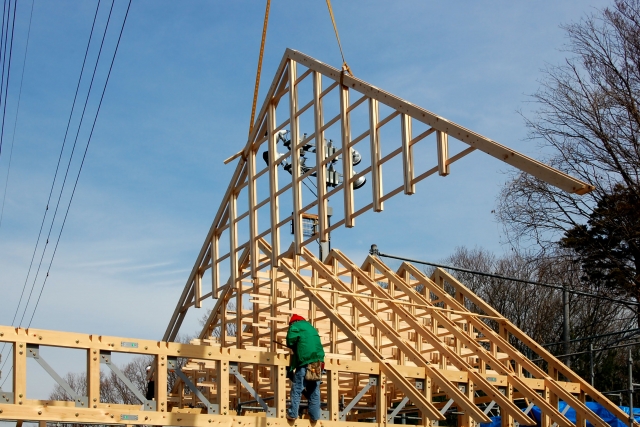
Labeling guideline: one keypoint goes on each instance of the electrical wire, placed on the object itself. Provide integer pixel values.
(57, 168)
(50, 194)
(6, 89)
(15, 123)
(513, 279)
(83, 158)
(81, 166)
(66, 174)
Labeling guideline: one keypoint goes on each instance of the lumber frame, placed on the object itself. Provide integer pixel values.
(401, 327)
(293, 71)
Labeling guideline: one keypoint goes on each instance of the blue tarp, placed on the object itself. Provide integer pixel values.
(607, 416)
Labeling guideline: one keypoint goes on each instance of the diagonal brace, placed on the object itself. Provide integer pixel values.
(172, 364)
(233, 370)
(397, 409)
(373, 380)
(34, 352)
(446, 407)
(105, 357)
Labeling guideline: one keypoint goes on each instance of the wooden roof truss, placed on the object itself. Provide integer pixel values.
(395, 341)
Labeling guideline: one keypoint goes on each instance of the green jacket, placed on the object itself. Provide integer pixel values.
(304, 340)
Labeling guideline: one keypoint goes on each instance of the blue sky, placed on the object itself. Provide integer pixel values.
(178, 103)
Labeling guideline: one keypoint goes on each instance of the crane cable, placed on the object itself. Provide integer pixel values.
(345, 67)
(255, 91)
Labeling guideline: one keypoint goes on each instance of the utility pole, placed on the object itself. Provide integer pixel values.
(631, 418)
(565, 325)
(325, 247)
(591, 369)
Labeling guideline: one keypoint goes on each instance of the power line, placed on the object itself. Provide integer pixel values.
(50, 194)
(53, 182)
(15, 123)
(57, 168)
(83, 157)
(512, 279)
(631, 331)
(6, 65)
(6, 89)
(66, 174)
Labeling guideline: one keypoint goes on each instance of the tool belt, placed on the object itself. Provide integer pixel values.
(314, 371)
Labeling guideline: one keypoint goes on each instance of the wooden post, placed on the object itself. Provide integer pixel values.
(281, 391)
(222, 383)
(215, 267)
(376, 154)
(321, 172)
(197, 283)
(581, 421)
(407, 155)
(443, 153)
(381, 400)
(295, 160)
(19, 373)
(93, 377)
(347, 165)
(428, 395)
(465, 420)
(333, 395)
(161, 383)
(507, 419)
(253, 214)
(273, 187)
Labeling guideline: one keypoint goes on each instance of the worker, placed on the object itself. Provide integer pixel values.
(306, 365)
(151, 385)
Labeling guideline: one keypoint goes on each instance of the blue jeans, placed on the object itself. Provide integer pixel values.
(311, 390)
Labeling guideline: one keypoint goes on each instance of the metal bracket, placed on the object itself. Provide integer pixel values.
(233, 370)
(172, 364)
(373, 380)
(147, 405)
(6, 397)
(33, 351)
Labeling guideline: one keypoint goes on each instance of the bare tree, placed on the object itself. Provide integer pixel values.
(538, 310)
(588, 120)
(230, 327)
(112, 388)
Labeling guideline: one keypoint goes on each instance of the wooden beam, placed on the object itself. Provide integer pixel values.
(347, 166)
(442, 141)
(407, 154)
(321, 171)
(253, 214)
(295, 160)
(19, 372)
